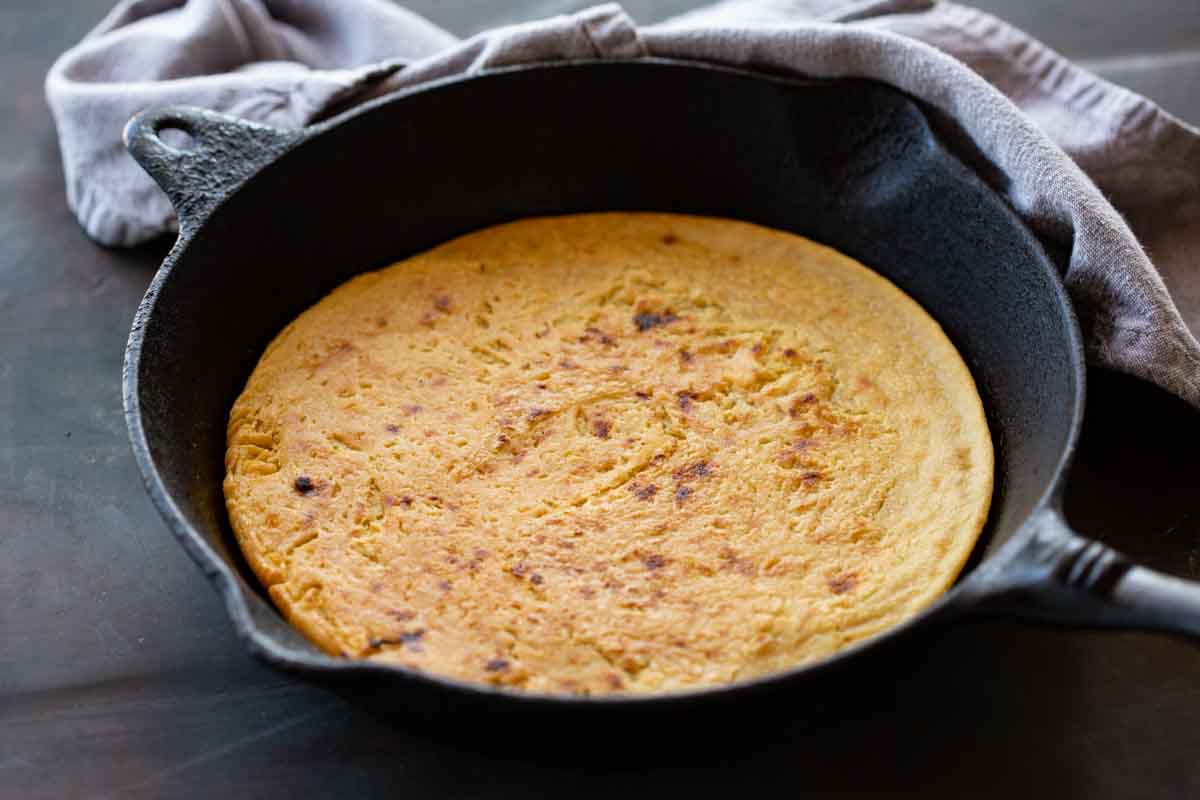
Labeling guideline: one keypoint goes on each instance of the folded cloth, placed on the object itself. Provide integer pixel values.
(1051, 137)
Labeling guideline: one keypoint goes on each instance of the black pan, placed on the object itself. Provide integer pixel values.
(270, 221)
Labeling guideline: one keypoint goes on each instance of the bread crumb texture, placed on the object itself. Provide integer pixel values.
(608, 453)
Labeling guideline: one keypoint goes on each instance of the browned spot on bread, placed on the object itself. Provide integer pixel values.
(669, 239)
(699, 469)
(643, 491)
(410, 640)
(799, 404)
(442, 303)
(496, 665)
(682, 493)
(654, 561)
(305, 485)
(684, 400)
(601, 428)
(646, 320)
(845, 582)
(591, 334)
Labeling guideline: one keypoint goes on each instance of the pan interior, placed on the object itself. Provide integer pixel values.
(851, 164)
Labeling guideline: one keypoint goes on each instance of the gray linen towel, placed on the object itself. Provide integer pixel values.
(1053, 138)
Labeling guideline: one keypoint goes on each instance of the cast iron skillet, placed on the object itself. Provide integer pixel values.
(270, 221)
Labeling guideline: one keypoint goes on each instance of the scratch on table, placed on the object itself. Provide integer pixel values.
(218, 752)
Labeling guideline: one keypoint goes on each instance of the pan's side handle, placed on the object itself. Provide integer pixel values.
(222, 152)
(1052, 574)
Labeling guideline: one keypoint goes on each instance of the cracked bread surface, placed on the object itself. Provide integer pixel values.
(620, 452)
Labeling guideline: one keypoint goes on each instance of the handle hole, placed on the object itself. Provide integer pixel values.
(176, 135)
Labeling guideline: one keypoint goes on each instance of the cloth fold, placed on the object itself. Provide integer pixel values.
(1051, 137)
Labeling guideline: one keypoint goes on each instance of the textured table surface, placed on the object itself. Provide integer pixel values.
(120, 675)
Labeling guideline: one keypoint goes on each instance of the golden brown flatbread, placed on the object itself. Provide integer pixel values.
(609, 452)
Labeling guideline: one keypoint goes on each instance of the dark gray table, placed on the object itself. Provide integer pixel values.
(119, 674)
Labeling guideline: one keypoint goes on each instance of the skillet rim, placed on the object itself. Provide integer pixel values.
(262, 644)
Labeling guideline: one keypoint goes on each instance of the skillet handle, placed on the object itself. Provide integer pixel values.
(1049, 573)
(224, 152)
